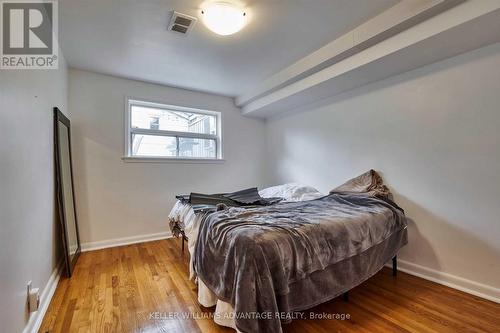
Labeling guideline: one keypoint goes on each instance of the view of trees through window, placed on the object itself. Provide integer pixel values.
(159, 132)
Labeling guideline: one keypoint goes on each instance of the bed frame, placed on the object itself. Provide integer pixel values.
(178, 231)
(394, 273)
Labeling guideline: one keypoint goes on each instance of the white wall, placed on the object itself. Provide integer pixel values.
(116, 199)
(29, 232)
(434, 133)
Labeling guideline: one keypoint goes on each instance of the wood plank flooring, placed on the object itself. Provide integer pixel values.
(117, 289)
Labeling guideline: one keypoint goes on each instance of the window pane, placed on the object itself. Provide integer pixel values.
(151, 118)
(197, 148)
(153, 145)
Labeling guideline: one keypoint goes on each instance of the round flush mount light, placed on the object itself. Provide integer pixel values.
(224, 18)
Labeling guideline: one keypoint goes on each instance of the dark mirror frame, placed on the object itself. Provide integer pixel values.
(59, 117)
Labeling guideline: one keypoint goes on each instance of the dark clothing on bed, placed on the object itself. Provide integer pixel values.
(285, 257)
(247, 197)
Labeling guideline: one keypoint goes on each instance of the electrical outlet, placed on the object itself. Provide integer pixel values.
(33, 297)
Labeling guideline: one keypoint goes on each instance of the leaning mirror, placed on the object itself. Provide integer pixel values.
(65, 190)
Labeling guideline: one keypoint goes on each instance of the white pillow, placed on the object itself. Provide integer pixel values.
(291, 192)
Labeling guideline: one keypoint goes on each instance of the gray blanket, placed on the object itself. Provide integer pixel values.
(263, 260)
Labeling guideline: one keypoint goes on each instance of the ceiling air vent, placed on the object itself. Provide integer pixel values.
(181, 23)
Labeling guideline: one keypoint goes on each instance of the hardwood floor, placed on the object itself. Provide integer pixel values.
(115, 290)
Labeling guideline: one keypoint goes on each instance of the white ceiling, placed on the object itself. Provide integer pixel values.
(128, 38)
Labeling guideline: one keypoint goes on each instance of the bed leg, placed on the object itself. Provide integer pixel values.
(395, 266)
(346, 296)
(182, 241)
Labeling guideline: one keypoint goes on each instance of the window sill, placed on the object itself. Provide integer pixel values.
(131, 159)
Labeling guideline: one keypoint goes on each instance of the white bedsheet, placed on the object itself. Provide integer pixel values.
(191, 221)
(224, 312)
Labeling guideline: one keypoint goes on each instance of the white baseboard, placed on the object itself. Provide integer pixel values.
(36, 318)
(449, 280)
(90, 246)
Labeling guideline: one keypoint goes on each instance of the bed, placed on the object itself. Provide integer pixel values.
(184, 221)
(275, 260)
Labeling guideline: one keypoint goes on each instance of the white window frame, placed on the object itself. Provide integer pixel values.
(128, 157)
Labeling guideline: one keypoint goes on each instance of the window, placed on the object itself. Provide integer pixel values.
(165, 131)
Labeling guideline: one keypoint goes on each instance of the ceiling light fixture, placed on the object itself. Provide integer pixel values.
(224, 18)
